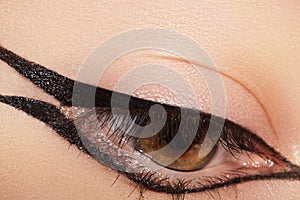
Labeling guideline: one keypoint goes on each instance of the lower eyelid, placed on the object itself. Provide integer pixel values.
(90, 169)
(43, 136)
(136, 170)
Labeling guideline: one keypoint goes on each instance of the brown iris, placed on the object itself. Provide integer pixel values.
(194, 158)
(189, 153)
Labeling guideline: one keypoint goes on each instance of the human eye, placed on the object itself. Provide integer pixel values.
(233, 155)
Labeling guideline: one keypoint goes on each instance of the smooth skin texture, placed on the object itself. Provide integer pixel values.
(256, 43)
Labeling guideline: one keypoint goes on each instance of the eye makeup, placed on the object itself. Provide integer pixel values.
(236, 143)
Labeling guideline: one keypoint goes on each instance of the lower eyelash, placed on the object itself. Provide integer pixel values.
(233, 139)
(53, 117)
(178, 189)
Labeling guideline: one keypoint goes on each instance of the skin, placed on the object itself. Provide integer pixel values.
(255, 43)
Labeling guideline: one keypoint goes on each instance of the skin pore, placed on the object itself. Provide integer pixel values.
(254, 43)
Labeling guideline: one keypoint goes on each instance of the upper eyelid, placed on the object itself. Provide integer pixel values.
(61, 88)
(170, 57)
(19, 102)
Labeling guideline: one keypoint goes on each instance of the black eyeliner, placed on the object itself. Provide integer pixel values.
(51, 82)
(47, 113)
(146, 182)
(65, 127)
(62, 89)
(54, 83)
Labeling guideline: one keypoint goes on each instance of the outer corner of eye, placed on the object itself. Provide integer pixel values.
(238, 155)
(178, 160)
(193, 151)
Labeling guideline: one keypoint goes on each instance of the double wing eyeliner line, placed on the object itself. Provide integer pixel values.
(61, 87)
(47, 113)
(51, 82)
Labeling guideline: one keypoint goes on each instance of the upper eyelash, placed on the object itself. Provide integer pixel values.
(62, 89)
(63, 86)
(232, 138)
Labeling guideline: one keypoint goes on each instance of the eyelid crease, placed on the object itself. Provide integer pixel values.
(61, 87)
(174, 58)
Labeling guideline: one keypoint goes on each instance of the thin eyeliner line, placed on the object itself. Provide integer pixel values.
(47, 113)
(51, 115)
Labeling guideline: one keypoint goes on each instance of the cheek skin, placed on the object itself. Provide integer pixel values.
(39, 165)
